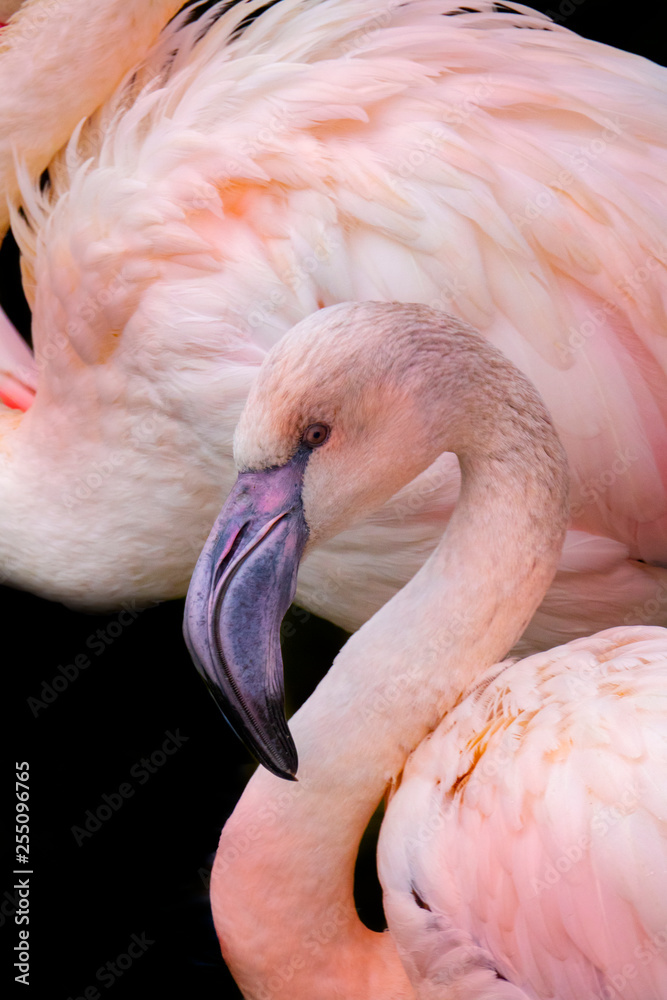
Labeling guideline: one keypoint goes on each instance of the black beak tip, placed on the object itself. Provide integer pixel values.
(273, 746)
(279, 760)
(288, 775)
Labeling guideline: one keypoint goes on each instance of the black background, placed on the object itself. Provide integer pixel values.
(144, 871)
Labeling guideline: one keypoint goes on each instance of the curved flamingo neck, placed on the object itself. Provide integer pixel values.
(288, 852)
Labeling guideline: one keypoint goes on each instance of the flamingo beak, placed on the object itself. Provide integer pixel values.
(243, 584)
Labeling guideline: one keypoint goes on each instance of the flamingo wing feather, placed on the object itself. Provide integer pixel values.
(533, 822)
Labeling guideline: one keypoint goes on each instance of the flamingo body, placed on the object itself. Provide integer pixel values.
(524, 851)
(528, 831)
(488, 162)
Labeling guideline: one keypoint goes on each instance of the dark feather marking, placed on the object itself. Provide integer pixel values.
(198, 11)
(248, 20)
(498, 8)
(418, 900)
(195, 12)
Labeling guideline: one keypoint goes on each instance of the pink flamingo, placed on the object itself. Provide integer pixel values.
(211, 184)
(524, 850)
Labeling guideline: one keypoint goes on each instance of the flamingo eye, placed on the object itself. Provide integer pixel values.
(315, 435)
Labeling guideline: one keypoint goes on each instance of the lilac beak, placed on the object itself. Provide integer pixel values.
(243, 584)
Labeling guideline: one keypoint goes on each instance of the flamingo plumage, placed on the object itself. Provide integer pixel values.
(246, 173)
(59, 62)
(7, 9)
(524, 851)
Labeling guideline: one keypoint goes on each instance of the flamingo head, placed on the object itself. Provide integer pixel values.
(320, 443)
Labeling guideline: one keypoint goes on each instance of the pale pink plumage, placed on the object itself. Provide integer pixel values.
(524, 851)
(491, 163)
(532, 823)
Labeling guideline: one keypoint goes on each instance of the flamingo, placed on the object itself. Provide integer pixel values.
(524, 850)
(58, 63)
(247, 168)
(7, 9)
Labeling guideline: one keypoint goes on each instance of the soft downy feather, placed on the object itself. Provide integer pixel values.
(241, 179)
(549, 770)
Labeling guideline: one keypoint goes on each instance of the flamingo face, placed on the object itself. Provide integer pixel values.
(246, 576)
(495, 769)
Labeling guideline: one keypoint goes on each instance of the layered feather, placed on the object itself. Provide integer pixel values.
(483, 160)
(532, 823)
